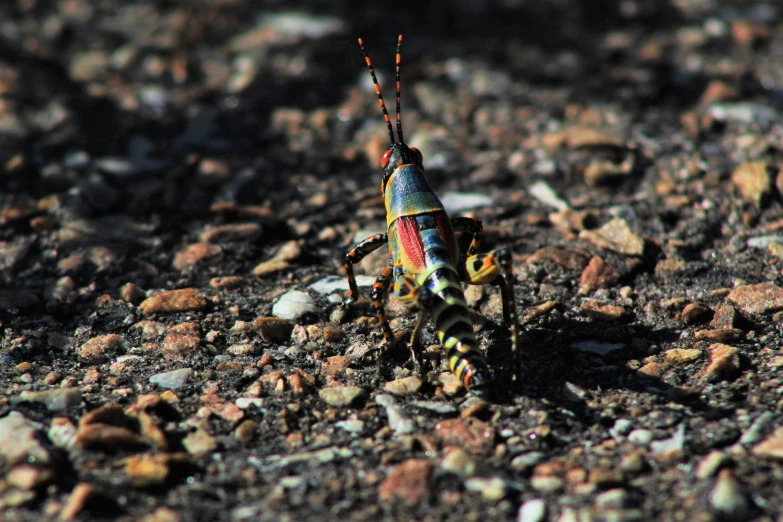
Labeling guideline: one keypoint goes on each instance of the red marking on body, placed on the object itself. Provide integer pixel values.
(410, 239)
(447, 233)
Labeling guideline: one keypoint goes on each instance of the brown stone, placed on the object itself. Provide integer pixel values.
(602, 312)
(669, 267)
(407, 483)
(651, 369)
(107, 437)
(182, 339)
(146, 471)
(568, 258)
(335, 365)
(273, 329)
(226, 282)
(759, 299)
(753, 181)
(724, 363)
(695, 312)
(680, 356)
(473, 435)
(77, 500)
(721, 335)
(617, 236)
(99, 348)
(725, 317)
(598, 274)
(231, 233)
(183, 300)
(772, 446)
(332, 335)
(26, 477)
(196, 253)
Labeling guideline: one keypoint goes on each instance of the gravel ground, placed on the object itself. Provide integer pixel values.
(181, 182)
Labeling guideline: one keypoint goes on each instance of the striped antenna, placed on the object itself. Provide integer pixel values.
(399, 117)
(378, 91)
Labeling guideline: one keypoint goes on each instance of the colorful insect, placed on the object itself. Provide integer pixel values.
(425, 263)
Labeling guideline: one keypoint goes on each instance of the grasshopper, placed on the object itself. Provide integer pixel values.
(425, 263)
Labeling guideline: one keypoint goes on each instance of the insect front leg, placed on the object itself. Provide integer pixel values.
(471, 226)
(495, 268)
(413, 295)
(357, 253)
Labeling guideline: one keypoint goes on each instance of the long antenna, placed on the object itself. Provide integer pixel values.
(399, 117)
(378, 91)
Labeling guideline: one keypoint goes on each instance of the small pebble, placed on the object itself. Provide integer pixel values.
(640, 437)
(331, 284)
(232, 233)
(753, 181)
(19, 441)
(404, 386)
(546, 195)
(459, 462)
(728, 498)
(616, 235)
(199, 442)
(58, 399)
(772, 446)
(351, 425)
(711, 464)
(399, 422)
(173, 379)
(443, 408)
(533, 510)
(492, 489)
(458, 202)
(340, 396)
(675, 443)
(293, 305)
(616, 498)
(527, 461)
(547, 484)
(241, 349)
(246, 430)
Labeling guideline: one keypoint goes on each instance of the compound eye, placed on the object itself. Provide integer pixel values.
(385, 158)
(417, 152)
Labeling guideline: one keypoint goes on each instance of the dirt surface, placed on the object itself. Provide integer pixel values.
(182, 180)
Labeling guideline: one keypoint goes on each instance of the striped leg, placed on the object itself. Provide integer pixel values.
(495, 268)
(413, 295)
(472, 226)
(379, 290)
(357, 253)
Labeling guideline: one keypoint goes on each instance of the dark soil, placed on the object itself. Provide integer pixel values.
(628, 153)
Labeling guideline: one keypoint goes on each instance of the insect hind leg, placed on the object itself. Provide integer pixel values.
(413, 295)
(496, 268)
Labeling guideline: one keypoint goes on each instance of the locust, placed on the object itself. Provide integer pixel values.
(426, 267)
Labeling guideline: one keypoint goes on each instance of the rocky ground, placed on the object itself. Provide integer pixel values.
(181, 182)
